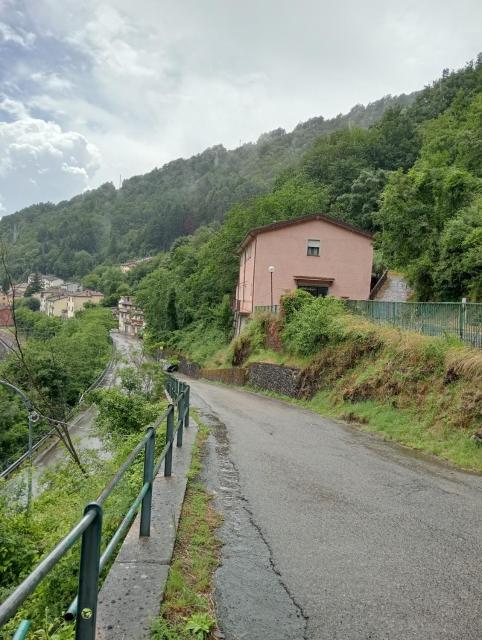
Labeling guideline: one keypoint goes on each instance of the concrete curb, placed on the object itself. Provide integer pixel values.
(132, 592)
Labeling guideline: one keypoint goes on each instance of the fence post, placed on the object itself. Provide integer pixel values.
(89, 576)
(188, 400)
(462, 318)
(169, 439)
(180, 418)
(145, 528)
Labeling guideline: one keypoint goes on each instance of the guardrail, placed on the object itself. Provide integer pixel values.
(89, 528)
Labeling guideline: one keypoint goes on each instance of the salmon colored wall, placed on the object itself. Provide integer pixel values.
(246, 273)
(344, 256)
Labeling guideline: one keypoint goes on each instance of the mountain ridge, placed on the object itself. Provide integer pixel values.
(149, 211)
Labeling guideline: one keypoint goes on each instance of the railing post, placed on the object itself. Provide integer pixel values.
(180, 419)
(145, 528)
(187, 397)
(462, 313)
(169, 439)
(89, 576)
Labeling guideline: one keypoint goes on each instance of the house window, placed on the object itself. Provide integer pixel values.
(313, 248)
(315, 290)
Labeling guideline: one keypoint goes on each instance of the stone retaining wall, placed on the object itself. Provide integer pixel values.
(272, 377)
(261, 375)
(190, 369)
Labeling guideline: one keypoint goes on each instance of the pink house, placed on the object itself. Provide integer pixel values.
(317, 253)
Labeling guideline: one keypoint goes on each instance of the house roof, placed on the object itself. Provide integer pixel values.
(286, 223)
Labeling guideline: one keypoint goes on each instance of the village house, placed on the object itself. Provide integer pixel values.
(6, 316)
(77, 301)
(317, 253)
(18, 290)
(72, 287)
(125, 267)
(43, 296)
(46, 282)
(131, 317)
(56, 305)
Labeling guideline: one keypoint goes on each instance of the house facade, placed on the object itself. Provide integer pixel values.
(317, 253)
(77, 301)
(6, 316)
(131, 317)
(56, 305)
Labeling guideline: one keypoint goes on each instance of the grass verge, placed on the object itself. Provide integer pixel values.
(187, 610)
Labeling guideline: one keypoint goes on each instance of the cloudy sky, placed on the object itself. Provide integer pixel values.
(92, 90)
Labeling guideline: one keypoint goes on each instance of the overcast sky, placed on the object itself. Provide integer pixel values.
(92, 90)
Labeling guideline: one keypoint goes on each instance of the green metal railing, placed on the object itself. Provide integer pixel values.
(274, 308)
(89, 528)
(460, 319)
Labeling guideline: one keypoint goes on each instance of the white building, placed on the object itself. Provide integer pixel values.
(131, 317)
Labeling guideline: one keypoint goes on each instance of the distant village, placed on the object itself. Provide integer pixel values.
(62, 299)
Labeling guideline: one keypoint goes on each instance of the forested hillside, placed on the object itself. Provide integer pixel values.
(414, 178)
(152, 210)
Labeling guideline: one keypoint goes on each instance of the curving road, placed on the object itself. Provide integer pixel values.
(331, 533)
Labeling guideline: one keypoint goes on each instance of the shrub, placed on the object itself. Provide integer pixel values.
(311, 323)
(119, 413)
(293, 301)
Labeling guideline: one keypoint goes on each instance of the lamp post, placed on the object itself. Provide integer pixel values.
(271, 270)
(32, 417)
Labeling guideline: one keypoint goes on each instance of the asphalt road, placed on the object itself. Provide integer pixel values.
(331, 533)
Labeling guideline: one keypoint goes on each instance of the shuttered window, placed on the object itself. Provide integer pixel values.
(313, 248)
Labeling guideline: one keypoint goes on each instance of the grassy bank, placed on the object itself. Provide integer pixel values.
(423, 392)
(187, 610)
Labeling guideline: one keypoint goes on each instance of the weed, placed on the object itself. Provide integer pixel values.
(187, 611)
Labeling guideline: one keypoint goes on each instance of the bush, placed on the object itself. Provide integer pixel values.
(293, 301)
(119, 413)
(311, 323)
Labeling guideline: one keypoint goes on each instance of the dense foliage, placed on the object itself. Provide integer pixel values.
(61, 359)
(148, 212)
(413, 179)
(26, 537)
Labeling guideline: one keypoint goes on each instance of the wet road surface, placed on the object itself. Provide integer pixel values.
(331, 533)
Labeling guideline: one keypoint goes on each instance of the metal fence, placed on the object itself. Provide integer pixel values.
(460, 319)
(89, 528)
(274, 308)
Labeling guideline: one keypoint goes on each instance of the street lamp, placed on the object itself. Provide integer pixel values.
(271, 270)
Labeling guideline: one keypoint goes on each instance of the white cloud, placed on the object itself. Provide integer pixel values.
(13, 107)
(153, 80)
(17, 36)
(51, 81)
(38, 158)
